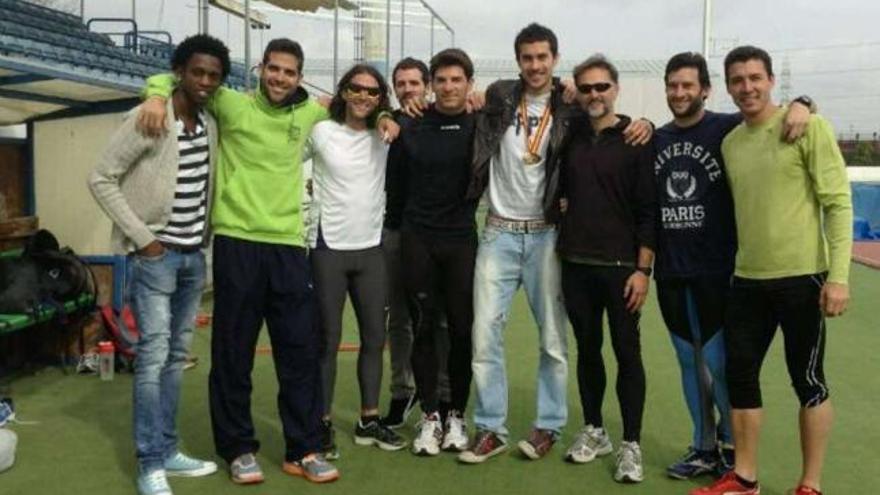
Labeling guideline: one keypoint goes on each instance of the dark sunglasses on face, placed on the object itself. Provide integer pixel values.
(353, 89)
(599, 87)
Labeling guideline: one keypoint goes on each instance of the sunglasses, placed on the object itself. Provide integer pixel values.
(354, 90)
(599, 87)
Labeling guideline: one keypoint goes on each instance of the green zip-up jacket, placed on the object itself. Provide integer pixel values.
(258, 193)
(792, 201)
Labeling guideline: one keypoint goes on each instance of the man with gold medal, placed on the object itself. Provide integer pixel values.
(521, 126)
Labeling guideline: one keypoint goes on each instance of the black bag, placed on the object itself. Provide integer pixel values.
(44, 274)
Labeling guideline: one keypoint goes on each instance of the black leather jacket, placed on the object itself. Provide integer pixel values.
(502, 100)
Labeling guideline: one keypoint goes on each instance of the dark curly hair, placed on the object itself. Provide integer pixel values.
(337, 104)
(204, 44)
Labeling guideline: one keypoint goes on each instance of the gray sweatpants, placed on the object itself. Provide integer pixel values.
(361, 275)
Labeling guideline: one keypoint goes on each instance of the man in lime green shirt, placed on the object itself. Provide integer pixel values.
(794, 233)
(261, 270)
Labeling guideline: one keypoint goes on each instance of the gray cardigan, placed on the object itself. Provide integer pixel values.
(135, 180)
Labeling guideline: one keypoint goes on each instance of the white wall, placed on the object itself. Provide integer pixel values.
(65, 152)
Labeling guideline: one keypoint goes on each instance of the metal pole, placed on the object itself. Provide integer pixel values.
(134, 10)
(451, 32)
(247, 44)
(387, 38)
(205, 6)
(335, 41)
(402, 27)
(82, 10)
(432, 35)
(707, 26)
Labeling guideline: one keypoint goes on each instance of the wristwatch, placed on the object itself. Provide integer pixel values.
(806, 101)
(645, 269)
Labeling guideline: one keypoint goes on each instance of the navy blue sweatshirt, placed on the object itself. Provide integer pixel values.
(697, 232)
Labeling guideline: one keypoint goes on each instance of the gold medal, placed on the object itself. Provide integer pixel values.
(531, 159)
(533, 143)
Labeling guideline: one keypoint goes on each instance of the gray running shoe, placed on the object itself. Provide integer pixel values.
(244, 470)
(590, 442)
(629, 463)
(312, 467)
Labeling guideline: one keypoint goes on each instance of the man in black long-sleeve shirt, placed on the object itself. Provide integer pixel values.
(429, 169)
(606, 242)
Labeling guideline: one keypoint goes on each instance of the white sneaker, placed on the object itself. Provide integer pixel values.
(427, 442)
(629, 463)
(456, 438)
(590, 442)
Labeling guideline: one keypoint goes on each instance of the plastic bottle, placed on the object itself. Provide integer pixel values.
(106, 355)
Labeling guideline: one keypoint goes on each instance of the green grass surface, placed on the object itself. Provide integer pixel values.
(82, 444)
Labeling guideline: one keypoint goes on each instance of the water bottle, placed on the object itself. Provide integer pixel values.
(106, 355)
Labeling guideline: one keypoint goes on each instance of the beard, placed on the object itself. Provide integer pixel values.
(691, 110)
(597, 112)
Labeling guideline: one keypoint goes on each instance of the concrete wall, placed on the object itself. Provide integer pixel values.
(65, 152)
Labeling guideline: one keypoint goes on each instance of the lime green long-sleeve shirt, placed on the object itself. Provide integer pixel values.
(259, 181)
(792, 201)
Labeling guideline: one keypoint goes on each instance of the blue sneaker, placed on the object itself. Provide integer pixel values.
(693, 463)
(7, 412)
(153, 483)
(185, 466)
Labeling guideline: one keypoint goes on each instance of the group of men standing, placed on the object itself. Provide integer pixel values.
(750, 231)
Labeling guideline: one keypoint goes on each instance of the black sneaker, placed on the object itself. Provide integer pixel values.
(398, 411)
(726, 458)
(374, 433)
(328, 440)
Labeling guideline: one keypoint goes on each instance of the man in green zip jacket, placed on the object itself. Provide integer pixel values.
(261, 270)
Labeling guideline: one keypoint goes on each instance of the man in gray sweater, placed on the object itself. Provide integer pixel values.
(157, 192)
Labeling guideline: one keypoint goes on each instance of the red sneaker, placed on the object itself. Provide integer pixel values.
(804, 490)
(727, 485)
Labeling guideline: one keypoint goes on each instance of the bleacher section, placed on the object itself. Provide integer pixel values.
(42, 34)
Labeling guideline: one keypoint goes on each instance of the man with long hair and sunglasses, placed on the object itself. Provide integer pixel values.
(261, 269)
(345, 235)
(429, 171)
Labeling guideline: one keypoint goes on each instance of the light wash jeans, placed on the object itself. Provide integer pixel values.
(165, 295)
(506, 260)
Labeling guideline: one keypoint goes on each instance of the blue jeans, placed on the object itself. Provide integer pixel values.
(506, 260)
(165, 294)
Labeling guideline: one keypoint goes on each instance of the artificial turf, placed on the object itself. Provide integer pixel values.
(82, 441)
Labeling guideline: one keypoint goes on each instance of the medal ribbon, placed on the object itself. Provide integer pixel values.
(534, 143)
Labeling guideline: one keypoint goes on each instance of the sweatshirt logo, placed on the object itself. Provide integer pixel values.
(680, 185)
(293, 133)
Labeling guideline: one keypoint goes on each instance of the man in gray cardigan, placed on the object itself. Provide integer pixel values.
(157, 192)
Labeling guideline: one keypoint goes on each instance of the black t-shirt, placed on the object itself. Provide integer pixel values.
(697, 232)
(429, 169)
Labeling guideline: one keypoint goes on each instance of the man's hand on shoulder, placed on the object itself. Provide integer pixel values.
(638, 132)
(388, 128)
(151, 117)
(797, 118)
(414, 107)
(476, 100)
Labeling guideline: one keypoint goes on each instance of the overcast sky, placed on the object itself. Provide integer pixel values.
(832, 47)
